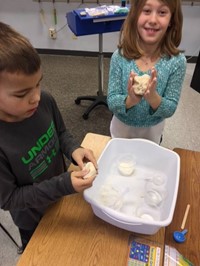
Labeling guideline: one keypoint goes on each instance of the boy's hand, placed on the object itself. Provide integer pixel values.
(82, 155)
(79, 183)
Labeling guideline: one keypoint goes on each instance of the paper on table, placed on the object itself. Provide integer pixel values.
(173, 257)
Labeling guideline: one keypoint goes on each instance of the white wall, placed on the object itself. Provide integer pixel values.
(24, 16)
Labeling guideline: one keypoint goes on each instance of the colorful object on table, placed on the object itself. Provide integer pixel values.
(173, 257)
(179, 237)
(139, 252)
(142, 252)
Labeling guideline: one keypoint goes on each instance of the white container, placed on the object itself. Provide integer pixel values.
(151, 162)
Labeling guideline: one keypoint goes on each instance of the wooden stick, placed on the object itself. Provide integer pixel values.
(185, 216)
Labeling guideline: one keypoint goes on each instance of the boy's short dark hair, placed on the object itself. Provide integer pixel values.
(16, 52)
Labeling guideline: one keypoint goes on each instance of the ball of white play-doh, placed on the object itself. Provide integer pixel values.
(146, 217)
(126, 165)
(92, 170)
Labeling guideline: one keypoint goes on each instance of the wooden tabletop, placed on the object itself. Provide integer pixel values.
(189, 193)
(70, 234)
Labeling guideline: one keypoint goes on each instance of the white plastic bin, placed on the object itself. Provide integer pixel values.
(152, 162)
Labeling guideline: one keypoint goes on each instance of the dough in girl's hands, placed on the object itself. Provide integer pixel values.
(92, 170)
(140, 84)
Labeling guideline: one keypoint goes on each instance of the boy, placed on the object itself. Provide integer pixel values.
(33, 139)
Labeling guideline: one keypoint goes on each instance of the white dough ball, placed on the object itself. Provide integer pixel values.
(92, 170)
(126, 164)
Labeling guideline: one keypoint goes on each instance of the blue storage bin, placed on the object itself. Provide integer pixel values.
(87, 25)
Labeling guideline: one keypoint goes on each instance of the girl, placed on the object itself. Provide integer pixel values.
(148, 44)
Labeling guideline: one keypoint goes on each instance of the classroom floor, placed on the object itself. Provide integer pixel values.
(182, 130)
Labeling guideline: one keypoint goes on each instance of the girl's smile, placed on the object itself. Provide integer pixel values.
(151, 31)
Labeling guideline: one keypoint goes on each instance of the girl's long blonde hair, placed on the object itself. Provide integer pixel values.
(129, 37)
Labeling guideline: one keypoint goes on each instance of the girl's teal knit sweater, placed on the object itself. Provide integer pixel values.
(170, 77)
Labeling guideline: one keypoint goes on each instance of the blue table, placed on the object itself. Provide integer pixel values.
(86, 25)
